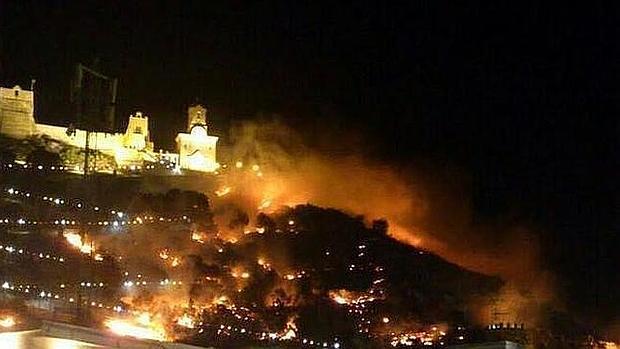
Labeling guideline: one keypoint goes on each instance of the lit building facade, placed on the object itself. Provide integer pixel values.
(16, 112)
(134, 147)
(197, 149)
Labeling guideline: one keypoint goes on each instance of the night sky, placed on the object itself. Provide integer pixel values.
(523, 97)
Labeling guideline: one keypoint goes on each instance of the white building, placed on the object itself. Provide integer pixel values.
(16, 112)
(196, 149)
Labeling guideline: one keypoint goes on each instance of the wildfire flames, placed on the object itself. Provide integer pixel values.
(223, 191)
(427, 338)
(349, 297)
(181, 280)
(141, 327)
(7, 321)
(198, 237)
(290, 331)
(75, 240)
(186, 321)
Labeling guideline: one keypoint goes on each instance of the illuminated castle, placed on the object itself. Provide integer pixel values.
(196, 148)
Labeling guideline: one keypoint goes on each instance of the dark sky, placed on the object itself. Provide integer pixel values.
(523, 96)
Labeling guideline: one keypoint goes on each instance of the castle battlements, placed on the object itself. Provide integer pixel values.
(196, 149)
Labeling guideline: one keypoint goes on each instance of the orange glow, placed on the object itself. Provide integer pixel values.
(350, 297)
(7, 321)
(75, 240)
(221, 300)
(290, 331)
(186, 321)
(263, 263)
(198, 237)
(239, 273)
(141, 327)
(265, 203)
(223, 191)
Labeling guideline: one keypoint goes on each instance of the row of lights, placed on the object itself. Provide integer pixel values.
(19, 165)
(34, 289)
(12, 249)
(79, 204)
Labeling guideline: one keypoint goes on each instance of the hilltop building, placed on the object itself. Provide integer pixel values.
(16, 112)
(196, 149)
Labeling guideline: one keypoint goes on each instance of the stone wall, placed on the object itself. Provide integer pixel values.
(102, 141)
(197, 149)
(16, 112)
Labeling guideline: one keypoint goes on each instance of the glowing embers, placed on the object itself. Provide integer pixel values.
(7, 321)
(431, 337)
(351, 297)
(186, 321)
(223, 191)
(294, 275)
(198, 237)
(265, 204)
(141, 326)
(239, 273)
(264, 264)
(290, 331)
(166, 256)
(75, 240)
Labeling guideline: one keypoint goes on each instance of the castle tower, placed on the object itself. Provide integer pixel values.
(197, 149)
(137, 134)
(196, 115)
(16, 112)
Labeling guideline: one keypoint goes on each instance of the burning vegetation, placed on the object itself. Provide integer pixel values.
(249, 261)
(261, 280)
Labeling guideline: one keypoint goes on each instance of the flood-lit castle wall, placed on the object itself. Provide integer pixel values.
(102, 141)
(16, 112)
(196, 148)
(137, 134)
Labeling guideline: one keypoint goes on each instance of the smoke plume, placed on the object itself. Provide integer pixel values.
(429, 208)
